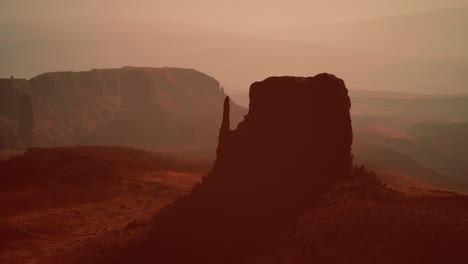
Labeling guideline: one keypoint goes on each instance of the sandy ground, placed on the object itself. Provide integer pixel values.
(82, 204)
(44, 220)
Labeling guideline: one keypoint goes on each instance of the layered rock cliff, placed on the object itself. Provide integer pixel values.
(133, 106)
(16, 114)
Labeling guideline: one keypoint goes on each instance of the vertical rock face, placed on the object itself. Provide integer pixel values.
(225, 124)
(294, 144)
(16, 114)
(297, 130)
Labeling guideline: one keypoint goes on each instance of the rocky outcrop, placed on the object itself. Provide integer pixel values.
(16, 115)
(133, 106)
(274, 165)
(312, 128)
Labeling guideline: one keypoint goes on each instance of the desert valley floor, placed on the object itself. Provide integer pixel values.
(56, 216)
(46, 220)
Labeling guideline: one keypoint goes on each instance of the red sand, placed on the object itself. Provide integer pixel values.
(79, 204)
(63, 203)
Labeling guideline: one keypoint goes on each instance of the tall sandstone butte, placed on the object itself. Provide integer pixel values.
(295, 126)
(292, 146)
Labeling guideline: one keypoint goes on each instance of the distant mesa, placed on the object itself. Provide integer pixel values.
(131, 106)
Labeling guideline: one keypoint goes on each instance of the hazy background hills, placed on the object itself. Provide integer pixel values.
(432, 34)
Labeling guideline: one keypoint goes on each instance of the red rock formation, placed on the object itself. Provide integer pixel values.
(294, 124)
(269, 169)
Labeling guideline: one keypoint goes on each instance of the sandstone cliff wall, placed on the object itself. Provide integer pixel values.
(142, 107)
(16, 114)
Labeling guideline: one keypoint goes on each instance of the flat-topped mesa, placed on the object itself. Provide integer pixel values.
(131, 106)
(298, 129)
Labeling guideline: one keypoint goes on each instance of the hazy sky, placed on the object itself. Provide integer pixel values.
(239, 42)
(245, 13)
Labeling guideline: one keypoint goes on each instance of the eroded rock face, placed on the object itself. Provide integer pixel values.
(295, 126)
(133, 106)
(16, 115)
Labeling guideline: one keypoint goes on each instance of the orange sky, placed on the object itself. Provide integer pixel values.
(241, 12)
(239, 42)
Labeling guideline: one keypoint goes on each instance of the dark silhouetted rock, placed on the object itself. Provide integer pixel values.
(293, 123)
(268, 170)
(16, 115)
